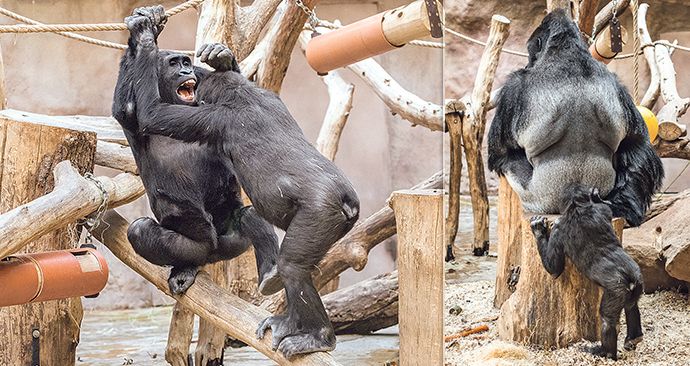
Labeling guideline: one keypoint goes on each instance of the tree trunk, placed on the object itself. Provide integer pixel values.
(544, 311)
(419, 221)
(209, 349)
(509, 241)
(179, 336)
(28, 153)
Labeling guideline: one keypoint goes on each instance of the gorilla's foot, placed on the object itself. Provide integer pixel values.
(270, 282)
(292, 340)
(631, 344)
(602, 352)
(181, 279)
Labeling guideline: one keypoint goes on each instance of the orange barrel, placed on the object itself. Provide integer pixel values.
(347, 45)
(51, 275)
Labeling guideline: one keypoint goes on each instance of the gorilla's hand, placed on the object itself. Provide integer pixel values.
(218, 56)
(140, 29)
(156, 14)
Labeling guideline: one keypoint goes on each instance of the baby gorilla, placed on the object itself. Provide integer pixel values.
(584, 234)
(289, 182)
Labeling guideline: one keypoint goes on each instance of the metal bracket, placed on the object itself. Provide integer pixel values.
(434, 18)
(35, 347)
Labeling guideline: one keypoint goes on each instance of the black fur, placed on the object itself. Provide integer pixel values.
(585, 235)
(193, 192)
(565, 119)
(290, 183)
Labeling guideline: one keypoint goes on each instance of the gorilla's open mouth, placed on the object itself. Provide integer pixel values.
(186, 90)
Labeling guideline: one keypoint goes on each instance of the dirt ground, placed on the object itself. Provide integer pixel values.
(665, 318)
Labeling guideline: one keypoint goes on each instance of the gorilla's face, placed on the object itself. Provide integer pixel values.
(176, 79)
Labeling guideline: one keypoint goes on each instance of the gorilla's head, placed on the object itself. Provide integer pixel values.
(176, 80)
(556, 31)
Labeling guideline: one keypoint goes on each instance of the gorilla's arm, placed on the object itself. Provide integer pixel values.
(505, 155)
(123, 109)
(549, 245)
(639, 171)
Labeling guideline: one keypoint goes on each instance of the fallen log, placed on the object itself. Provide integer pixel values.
(115, 156)
(73, 197)
(364, 307)
(227, 312)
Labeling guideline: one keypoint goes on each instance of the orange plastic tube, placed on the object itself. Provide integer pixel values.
(347, 45)
(51, 275)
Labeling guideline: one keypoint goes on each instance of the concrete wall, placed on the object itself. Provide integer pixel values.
(379, 152)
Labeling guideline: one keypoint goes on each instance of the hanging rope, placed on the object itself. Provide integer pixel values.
(636, 46)
(65, 29)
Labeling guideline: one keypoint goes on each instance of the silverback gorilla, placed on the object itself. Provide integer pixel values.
(289, 182)
(585, 235)
(566, 119)
(193, 193)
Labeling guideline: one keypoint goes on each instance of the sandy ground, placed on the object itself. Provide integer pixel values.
(665, 317)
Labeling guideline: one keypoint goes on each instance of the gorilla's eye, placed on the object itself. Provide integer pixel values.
(173, 62)
(185, 63)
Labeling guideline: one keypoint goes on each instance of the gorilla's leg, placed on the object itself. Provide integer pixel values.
(550, 247)
(632, 319)
(305, 327)
(265, 242)
(162, 246)
(612, 303)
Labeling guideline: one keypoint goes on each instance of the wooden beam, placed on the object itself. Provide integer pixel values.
(179, 336)
(226, 311)
(419, 218)
(115, 156)
(455, 113)
(603, 17)
(669, 128)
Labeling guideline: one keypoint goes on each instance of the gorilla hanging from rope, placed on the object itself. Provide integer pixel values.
(565, 127)
(289, 182)
(193, 193)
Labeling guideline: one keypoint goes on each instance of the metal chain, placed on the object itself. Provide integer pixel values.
(313, 19)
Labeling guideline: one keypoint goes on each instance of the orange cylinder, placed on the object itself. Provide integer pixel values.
(347, 45)
(51, 275)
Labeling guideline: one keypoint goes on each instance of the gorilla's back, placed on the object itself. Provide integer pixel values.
(571, 136)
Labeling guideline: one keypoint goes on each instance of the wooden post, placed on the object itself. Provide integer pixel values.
(209, 349)
(419, 221)
(509, 225)
(455, 112)
(473, 131)
(179, 336)
(28, 153)
(544, 311)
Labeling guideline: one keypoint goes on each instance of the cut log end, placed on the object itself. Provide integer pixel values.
(671, 131)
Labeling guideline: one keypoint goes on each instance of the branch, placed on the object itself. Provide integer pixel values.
(273, 67)
(339, 106)
(252, 19)
(604, 16)
(675, 106)
(652, 94)
(586, 14)
(115, 156)
(455, 112)
(72, 198)
(678, 149)
(205, 298)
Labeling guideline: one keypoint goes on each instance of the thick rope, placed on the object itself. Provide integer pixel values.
(98, 42)
(636, 47)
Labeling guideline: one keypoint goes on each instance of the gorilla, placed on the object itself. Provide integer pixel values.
(566, 119)
(289, 182)
(193, 192)
(585, 235)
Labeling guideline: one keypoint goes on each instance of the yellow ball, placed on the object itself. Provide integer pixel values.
(650, 120)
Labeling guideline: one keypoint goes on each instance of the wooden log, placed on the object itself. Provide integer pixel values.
(509, 225)
(603, 17)
(73, 197)
(552, 5)
(364, 307)
(106, 128)
(407, 23)
(352, 250)
(669, 128)
(587, 10)
(550, 312)
(28, 154)
(205, 298)
(115, 156)
(455, 112)
(340, 94)
(679, 149)
(419, 221)
(473, 131)
(179, 336)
